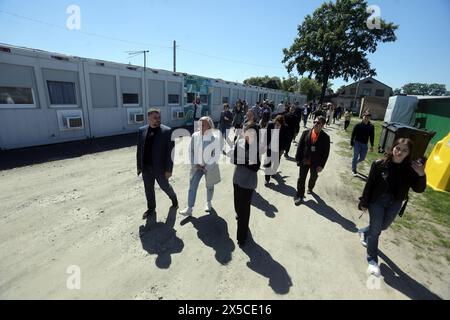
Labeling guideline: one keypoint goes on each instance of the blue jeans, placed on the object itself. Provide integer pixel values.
(359, 153)
(382, 213)
(193, 186)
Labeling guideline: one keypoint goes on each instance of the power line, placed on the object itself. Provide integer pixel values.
(137, 42)
(231, 60)
(83, 32)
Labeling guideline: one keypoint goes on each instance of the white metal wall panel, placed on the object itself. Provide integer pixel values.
(156, 93)
(103, 91)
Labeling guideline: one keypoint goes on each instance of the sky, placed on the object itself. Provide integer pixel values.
(227, 39)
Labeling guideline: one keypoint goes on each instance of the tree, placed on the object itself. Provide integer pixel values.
(424, 89)
(290, 84)
(397, 91)
(334, 42)
(435, 89)
(266, 82)
(310, 87)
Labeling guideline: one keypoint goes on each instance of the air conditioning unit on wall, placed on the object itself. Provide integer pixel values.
(73, 122)
(138, 118)
(176, 115)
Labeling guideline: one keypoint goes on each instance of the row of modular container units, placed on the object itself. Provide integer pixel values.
(50, 98)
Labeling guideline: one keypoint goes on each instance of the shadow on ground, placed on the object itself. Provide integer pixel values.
(328, 212)
(281, 186)
(400, 281)
(212, 230)
(265, 206)
(262, 262)
(160, 239)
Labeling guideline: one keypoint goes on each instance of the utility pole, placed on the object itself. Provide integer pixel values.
(133, 54)
(174, 56)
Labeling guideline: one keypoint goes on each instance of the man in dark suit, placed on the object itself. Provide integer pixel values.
(154, 160)
(312, 154)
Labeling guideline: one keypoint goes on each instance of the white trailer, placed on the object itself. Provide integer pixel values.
(48, 98)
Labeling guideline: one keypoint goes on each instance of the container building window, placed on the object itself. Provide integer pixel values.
(17, 96)
(61, 93)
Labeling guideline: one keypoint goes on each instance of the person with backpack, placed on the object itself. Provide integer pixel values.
(385, 194)
(245, 178)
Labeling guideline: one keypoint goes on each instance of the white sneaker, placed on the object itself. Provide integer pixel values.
(362, 236)
(208, 206)
(373, 268)
(186, 212)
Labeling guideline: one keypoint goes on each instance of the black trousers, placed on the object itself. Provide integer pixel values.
(304, 169)
(288, 145)
(346, 124)
(242, 204)
(149, 176)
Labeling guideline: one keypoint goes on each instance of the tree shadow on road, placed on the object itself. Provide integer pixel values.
(160, 239)
(328, 212)
(262, 262)
(282, 187)
(212, 230)
(397, 279)
(262, 204)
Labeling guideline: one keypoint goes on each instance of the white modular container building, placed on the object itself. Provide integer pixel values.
(48, 98)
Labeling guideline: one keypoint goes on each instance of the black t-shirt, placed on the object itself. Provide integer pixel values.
(148, 161)
(394, 176)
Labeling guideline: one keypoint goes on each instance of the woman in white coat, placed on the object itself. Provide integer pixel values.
(205, 150)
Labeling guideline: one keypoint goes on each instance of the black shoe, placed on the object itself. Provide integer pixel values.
(298, 200)
(148, 213)
(241, 244)
(309, 191)
(175, 204)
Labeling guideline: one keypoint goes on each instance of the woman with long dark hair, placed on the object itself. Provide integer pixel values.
(386, 194)
(245, 177)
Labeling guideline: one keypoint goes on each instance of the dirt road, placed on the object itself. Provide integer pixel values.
(86, 212)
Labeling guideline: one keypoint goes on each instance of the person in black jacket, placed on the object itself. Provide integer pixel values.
(312, 154)
(386, 188)
(293, 127)
(361, 134)
(275, 149)
(154, 160)
(245, 177)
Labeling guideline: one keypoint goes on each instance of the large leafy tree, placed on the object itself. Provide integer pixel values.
(424, 89)
(290, 84)
(334, 42)
(310, 87)
(266, 82)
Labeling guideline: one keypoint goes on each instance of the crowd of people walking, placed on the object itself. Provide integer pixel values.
(262, 134)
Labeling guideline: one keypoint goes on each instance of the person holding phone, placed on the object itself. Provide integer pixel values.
(385, 194)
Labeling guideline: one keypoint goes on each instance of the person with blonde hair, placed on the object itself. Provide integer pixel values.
(204, 156)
